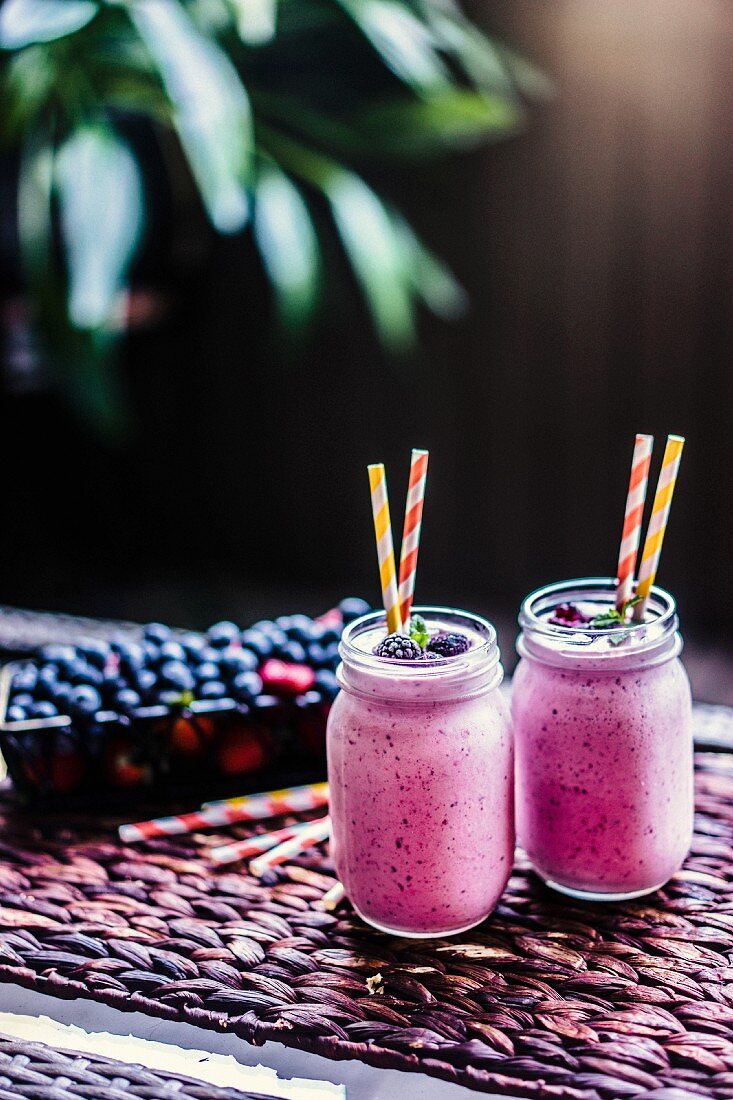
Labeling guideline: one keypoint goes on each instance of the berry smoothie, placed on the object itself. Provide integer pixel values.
(602, 721)
(420, 765)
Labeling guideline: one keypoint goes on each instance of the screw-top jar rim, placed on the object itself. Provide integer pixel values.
(648, 642)
(478, 669)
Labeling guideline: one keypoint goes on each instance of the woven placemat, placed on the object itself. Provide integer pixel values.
(36, 1071)
(547, 998)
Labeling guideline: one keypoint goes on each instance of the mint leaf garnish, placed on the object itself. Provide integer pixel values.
(613, 617)
(419, 631)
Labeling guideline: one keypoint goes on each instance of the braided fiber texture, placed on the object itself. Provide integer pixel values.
(548, 998)
(35, 1071)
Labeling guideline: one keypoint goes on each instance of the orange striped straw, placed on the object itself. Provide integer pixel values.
(411, 532)
(254, 845)
(310, 835)
(633, 519)
(385, 546)
(658, 522)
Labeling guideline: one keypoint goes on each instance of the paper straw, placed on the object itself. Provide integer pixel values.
(314, 833)
(658, 522)
(385, 547)
(333, 897)
(289, 800)
(254, 807)
(411, 532)
(255, 845)
(633, 517)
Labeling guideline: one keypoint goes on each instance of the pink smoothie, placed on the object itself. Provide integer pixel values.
(421, 786)
(604, 758)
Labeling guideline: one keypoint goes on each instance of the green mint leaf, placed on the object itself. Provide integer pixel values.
(612, 617)
(419, 631)
(606, 619)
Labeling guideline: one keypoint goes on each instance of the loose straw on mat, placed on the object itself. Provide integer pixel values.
(255, 845)
(658, 522)
(312, 834)
(633, 517)
(333, 897)
(309, 797)
(411, 532)
(255, 807)
(385, 547)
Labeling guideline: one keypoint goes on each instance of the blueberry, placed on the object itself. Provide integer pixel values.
(144, 682)
(54, 652)
(353, 608)
(23, 699)
(266, 626)
(176, 675)
(95, 651)
(131, 656)
(327, 685)
(25, 679)
(62, 696)
(211, 689)
(156, 633)
(193, 644)
(328, 635)
(82, 673)
(207, 671)
(299, 628)
(222, 634)
(126, 700)
(246, 686)
(294, 652)
(42, 709)
(259, 643)
(172, 651)
(316, 655)
(209, 654)
(48, 678)
(15, 714)
(332, 655)
(235, 660)
(85, 699)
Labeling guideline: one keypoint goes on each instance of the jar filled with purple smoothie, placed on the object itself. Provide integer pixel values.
(602, 721)
(420, 769)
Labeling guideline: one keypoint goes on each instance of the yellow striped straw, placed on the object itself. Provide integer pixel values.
(385, 547)
(658, 522)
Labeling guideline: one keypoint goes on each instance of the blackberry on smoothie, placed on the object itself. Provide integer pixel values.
(420, 754)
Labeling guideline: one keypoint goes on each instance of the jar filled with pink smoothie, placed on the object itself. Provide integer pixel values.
(420, 769)
(602, 724)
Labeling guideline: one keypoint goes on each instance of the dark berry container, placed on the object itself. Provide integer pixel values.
(182, 747)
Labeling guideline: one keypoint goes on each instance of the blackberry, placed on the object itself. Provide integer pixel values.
(399, 647)
(448, 644)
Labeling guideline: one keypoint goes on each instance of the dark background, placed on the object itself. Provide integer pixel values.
(597, 251)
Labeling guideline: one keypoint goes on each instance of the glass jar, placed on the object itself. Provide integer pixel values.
(602, 722)
(420, 769)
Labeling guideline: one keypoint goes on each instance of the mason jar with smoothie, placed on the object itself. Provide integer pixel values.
(420, 755)
(602, 722)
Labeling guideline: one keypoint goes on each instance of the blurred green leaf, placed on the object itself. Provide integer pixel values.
(35, 189)
(431, 280)
(211, 107)
(454, 118)
(101, 203)
(288, 244)
(373, 247)
(404, 42)
(23, 22)
(255, 19)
